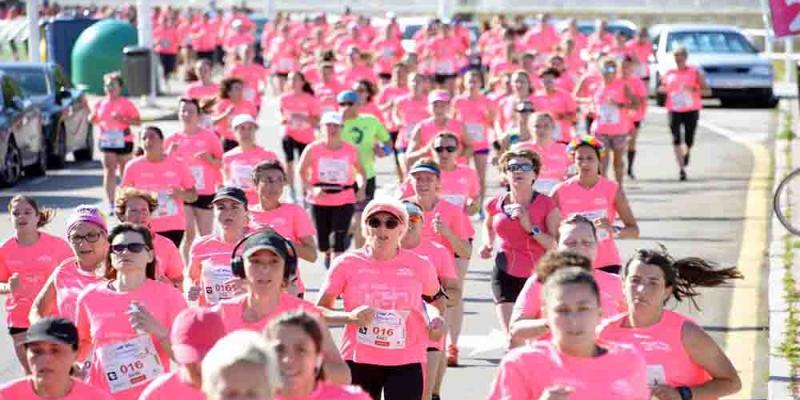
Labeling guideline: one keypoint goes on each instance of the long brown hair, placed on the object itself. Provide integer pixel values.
(43, 215)
(150, 271)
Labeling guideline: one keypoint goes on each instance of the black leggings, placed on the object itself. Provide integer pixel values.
(400, 382)
(689, 121)
(174, 236)
(332, 219)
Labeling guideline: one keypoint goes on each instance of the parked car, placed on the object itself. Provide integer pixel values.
(733, 67)
(22, 144)
(64, 110)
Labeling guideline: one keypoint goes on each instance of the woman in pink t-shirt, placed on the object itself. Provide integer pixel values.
(419, 145)
(558, 102)
(203, 85)
(300, 112)
(114, 115)
(297, 339)
(87, 235)
(521, 90)
(26, 261)
(638, 88)
(573, 363)
(383, 287)
(598, 199)
(238, 163)
(124, 323)
(683, 360)
(521, 226)
(410, 110)
(253, 75)
(478, 114)
(230, 103)
(553, 154)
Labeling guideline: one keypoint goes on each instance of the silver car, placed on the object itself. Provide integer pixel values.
(734, 69)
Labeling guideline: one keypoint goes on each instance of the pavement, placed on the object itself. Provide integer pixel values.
(719, 213)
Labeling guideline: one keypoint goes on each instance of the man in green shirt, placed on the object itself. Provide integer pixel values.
(371, 138)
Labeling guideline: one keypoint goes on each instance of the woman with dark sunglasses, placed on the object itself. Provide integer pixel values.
(124, 323)
(383, 287)
(521, 225)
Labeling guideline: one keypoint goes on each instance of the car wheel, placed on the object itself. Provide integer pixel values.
(86, 153)
(57, 157)
(12, 168)
(730, 103)
(40, 168)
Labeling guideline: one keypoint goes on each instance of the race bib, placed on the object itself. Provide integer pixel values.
(242, 175)
(112, 140)
(609, 113)
(249, 94)
(333, 170)
(215, 277)
(284, 64)
(656, 375)
(475, 132)
(444, 67)
(458, 200)
(298, 121)
(595, 215)
(545, 186)
(387, 52)
(164, 42)
(167, 206)
(129, 364)
(199, 176)
(387, 330)
(681, 99)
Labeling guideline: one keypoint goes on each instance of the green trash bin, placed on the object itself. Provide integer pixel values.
(98, 51)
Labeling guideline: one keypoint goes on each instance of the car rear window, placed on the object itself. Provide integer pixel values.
(33, 82)
(710, 42)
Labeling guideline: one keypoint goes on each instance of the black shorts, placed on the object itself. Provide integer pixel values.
(283, 75)
(168, 62)
(611, 269)
(203, 202)
(174, 236)
(229, 144)
(290, 146)
(396, 381)
(637, 124)
(332, 220)
(370, 194)
(385, 76)
(206, 55)
(13, 331)
(505, 287)
(443, 78)
(128, 149)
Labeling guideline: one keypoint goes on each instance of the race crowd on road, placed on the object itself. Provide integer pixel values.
(187, 284)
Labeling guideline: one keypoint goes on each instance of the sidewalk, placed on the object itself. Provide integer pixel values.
(784, 272)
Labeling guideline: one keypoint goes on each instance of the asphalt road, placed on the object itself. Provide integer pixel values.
(702, 217)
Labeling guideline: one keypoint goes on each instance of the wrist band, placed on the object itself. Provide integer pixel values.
(685, 392)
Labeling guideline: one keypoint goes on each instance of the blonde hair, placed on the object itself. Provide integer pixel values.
(240, 347)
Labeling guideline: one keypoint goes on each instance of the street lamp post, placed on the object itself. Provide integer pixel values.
(33, 30)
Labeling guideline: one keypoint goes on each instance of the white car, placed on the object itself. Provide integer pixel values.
(734, 69)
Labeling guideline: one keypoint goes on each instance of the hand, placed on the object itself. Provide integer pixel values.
(142, 321)
(663, 392)
(439, 227)
(473, 207)
(604, 223)
(80, 370)
(204, 155)
(361, 195)
(556, 393)
(436, 328)
(193, 293)
(486, 251)
(362, 315)
(13, 282)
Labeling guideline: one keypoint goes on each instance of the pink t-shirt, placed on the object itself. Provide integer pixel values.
(166, 39)
(611, 119)
(168, 259)
(330, 391)
(641, 52)
(70, 280)
(171, 386)
(394, 288)
(428, 129)
(555, 164)
(507, 109)
(388, 52)
(445, 264)
(34, 264)
(22, 389)
(223, 126)
(123, 360)
(106, 109)
(612, 301)
(527, 371)
(387, 96)
(206, 176)
(351, 75)
(210, 268)
(205, 35)
(476, 114)
(594, 203)
(456, 186)
(237, 168)
(198, 91)
(411, 112)
(295, 109)
(332, 167)
(518, 251)
(231, 310)
(452, 216)
(683, 90)
(661, 345)
(326, 94)
(254, 77)
(639, 89)
(558, 102)
(161, 178)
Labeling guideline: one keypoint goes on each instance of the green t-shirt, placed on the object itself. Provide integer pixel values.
(363, 131)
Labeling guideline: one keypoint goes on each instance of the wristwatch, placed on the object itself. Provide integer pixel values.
(535, 231)
(685, 392)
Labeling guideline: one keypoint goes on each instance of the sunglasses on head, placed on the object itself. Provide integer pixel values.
(132, 247)
(449, 149)
(519, 167)
(376, 223)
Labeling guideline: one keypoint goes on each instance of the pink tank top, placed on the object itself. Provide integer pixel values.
(332, 167)
(662, 347)
(594, 203)
(429, 129)
(683, 91)
(69, 282)
(555, 164)
(610, 118)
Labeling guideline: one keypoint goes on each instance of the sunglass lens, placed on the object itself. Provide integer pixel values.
(391, 223)
(374, 222)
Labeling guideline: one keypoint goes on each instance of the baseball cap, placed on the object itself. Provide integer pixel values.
(243, 119)
(331, 117)
(425, 167)
(194, 332)
(388, 205)
(89, 214)
(347, 96)
(266, 240)
(438, 95)
(53, 330)
(230, 192)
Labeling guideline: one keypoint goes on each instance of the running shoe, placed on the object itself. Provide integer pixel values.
(683, 175)
(452, 355)
(435, 397)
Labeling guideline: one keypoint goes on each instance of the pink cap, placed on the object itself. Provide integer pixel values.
(438, 95)
(388, 205)
(88, 214)
(194, 333)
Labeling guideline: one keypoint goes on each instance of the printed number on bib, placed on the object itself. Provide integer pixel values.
(129, 364)
(298, 121)
(284, 64)
(475, 132)
(167, 206)
(333, 170)
(242, 175)
(199, 176)
(656, 375)
(609, 113)
(681, 99)
(215, 281)
(387, 330)
(112, 140)
(249, 93)
(444, 67)
(455, 199)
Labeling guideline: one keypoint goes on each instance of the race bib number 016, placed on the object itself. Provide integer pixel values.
(130, 364)
(387, 330)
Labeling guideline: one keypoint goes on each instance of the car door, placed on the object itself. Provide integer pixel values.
(74, 112)
(28, 134)
(9, 117)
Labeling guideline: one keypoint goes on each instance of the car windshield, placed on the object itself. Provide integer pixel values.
(614, 29)
(710, 42)
(33, 82)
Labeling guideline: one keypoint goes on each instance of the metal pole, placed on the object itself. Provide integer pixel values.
(144, 31)
(270, 9)
(33, 30)
(443, 9)
(788, 59)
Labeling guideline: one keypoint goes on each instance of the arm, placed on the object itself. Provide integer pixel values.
(336, 370)
(187, 195)
(415, 150)
(303, 171)
(462, 247)
(306, 248)
(334, 317)
(523, 329)
(631, 229)
(466, 151)
(705, 352)
(45, 302)
(705, 90)
(488, 237)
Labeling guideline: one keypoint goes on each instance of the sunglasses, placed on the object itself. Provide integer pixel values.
(442, 149)
(132, 247)
(346, 104)
(390, 223)
(89, 238)
(519, 167)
